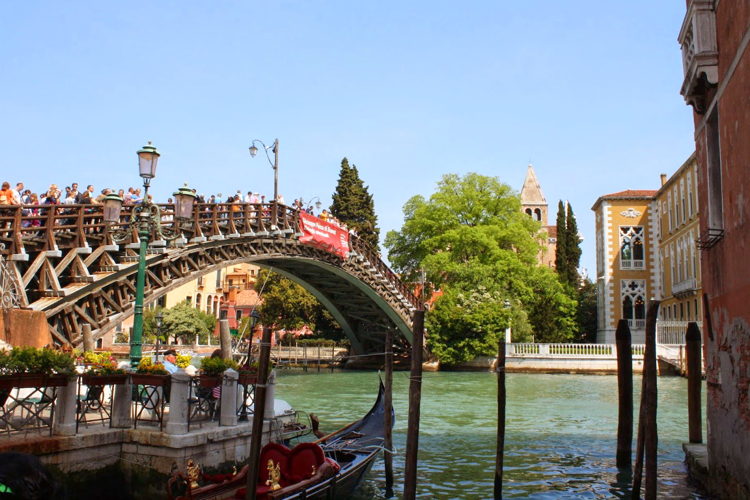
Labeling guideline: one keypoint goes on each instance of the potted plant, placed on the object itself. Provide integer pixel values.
(101, 369)
(212, 370)
(249, 373)
(28, 367)
(150, 373)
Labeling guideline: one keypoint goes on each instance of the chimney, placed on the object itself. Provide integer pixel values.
(663, 179)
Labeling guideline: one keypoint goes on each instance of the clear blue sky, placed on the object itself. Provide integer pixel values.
(588, 91)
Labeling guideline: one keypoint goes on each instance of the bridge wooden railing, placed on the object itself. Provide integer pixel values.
(30, 229)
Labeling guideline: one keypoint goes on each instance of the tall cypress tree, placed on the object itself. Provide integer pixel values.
(572, 248)
(561, 249)
(353, 205)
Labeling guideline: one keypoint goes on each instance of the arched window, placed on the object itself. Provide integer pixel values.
(537, 214)
(528, 212)
(631, 247)
(633, 293)
(198, 301)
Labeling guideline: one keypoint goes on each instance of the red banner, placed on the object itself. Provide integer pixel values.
(324, 235)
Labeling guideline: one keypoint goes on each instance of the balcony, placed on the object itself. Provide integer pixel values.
(684, 288)
(637, 324)
(700, 59)
(631, 264)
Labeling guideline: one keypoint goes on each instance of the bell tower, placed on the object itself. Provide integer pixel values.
(533, 202)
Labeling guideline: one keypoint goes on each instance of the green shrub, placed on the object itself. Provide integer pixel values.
(216, 366)
(33, 360)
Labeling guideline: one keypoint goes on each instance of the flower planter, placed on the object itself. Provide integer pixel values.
(91, 379)
(30, 380)
(248, 378)
(209, 381)
(150, 379)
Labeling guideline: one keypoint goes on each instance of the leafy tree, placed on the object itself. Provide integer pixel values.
(183, 321)
(586, 312)
(354, 206)
(472, 235)
(561, 249)
(572, 248)
(456, 338)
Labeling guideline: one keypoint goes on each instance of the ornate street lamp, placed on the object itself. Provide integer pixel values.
(275, 165)
(146, 217)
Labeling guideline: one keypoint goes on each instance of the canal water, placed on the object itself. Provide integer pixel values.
(560, 432)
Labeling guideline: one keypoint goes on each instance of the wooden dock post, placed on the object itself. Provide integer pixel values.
(624, 395)
(415, 397)
(499, 457)
(647, 431)
(259, 406)
(693, 355)
(388, 417)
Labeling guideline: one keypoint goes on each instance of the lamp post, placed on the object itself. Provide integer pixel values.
(275, 165)
(309, 202)
(146, 217)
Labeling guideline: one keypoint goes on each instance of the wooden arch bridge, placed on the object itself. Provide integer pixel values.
(64, 260)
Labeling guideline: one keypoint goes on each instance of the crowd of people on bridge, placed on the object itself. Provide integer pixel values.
(34, 203)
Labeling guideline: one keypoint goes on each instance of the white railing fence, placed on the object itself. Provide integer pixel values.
(592, 351)
(673, 332)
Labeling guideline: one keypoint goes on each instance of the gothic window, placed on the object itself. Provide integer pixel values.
(669, 210)
(633, 293)
(631, 247)
(682, 202)
(661, 270)
(198, 301)
(208, 304)
(672, 262)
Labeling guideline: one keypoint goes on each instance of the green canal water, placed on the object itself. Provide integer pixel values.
(560, 432)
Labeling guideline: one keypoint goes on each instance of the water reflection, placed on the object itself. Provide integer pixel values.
(560, 434)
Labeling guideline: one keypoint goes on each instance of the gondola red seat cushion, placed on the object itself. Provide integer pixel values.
(304, 461)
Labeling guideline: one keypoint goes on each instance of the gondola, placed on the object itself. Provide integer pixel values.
(332, 467)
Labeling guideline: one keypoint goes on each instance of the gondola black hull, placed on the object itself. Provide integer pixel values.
(354, 448)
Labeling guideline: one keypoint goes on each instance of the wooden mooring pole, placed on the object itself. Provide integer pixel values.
(500, 370)
(415, 396)
(388, 417)
(647, 431)
(693, 355)
(624, 395)
(259, 407)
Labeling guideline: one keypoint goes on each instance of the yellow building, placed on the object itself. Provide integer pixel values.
(679, 260)
(206, 293)
(626, 250)
(645, 249)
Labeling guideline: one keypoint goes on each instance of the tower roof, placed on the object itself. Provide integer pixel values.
(531, 192)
